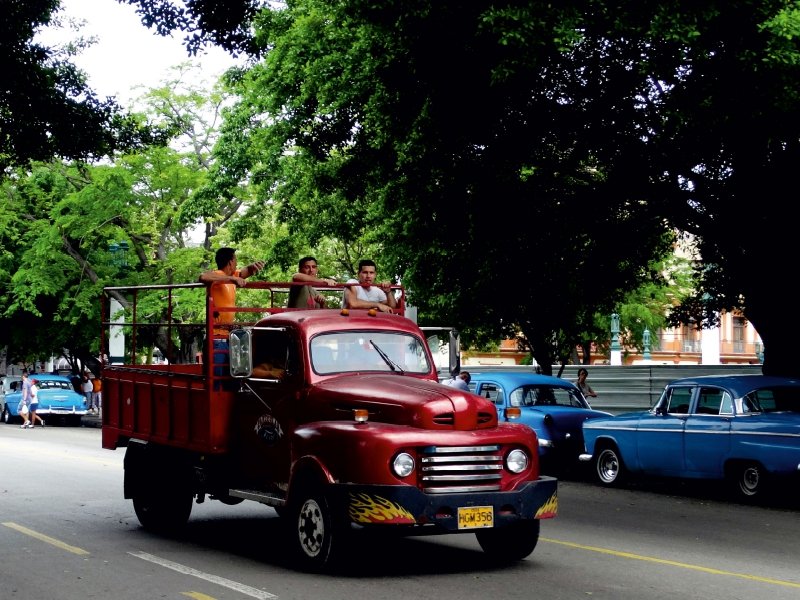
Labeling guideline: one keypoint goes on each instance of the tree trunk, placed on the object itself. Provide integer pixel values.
(540, 349)
(587, 353)
(779, 345)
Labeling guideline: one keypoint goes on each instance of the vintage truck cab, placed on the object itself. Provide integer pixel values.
(336, 418)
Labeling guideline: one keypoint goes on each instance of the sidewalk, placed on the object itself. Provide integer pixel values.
(95, 421)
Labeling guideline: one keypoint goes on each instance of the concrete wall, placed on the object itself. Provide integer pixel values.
(629, 387)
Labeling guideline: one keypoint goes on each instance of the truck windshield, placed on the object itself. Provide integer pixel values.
(353, 351)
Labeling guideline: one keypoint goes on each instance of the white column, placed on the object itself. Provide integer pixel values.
(616, 358)
(710, 346)
(116, 335)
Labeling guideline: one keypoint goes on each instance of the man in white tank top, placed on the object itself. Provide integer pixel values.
(366, 295)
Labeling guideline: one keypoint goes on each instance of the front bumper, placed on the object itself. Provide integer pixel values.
(408, 505)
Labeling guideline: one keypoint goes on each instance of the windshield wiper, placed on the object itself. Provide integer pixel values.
(392, 365)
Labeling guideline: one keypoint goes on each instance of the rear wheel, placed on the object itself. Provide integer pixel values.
(749, 480)
(163, 512)
(609, 466)
(510, 543)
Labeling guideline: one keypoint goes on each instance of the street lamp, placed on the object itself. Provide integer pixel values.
(646, 357)
(113, 248)
(119, 254)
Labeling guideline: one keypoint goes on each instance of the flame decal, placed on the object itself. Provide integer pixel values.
(549, 509)
(374, 509)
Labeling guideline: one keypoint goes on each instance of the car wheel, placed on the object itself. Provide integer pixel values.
(749, 480)
(314, 531)
(163, 512)
(609, 466)
(512, 542)
(7, 418)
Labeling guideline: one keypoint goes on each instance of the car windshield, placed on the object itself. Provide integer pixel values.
(355, 351)
(772, 399)
(545, 395)
(54, 385)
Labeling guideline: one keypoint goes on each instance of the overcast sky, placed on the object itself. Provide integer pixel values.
(128, 54)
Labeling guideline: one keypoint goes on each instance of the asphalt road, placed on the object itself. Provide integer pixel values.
(66, 533)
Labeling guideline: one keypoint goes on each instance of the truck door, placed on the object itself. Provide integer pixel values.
(267, 409)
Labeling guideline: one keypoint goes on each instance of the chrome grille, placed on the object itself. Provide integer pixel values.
(457, 469)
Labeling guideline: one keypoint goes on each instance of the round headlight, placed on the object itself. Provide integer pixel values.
(403, 465)
(517, 461)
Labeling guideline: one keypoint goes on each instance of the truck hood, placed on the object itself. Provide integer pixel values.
(402, 400)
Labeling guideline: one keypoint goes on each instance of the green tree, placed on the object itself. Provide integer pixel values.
(427, 116)
(58, 221)
(46, 107)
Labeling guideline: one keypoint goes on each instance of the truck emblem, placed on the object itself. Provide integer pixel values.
(374, 509)
(549, 509)
(268, 429)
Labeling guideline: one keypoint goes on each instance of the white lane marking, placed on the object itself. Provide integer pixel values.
(233, 585)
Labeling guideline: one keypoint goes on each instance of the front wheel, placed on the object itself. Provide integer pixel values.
(163, 512)
(314, 531)
(512, 542)
(609, 466)
(7, 415)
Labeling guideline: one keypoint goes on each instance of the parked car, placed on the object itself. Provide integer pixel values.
(742, 427)
(553, 407)
(6, 387)
(56, 397)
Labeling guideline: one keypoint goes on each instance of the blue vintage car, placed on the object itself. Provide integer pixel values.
(742, 427)
(57, 397)
(553, 407)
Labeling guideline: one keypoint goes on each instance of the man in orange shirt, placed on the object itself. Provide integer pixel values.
(224, 282)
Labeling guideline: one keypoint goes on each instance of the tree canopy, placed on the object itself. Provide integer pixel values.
(490, 145)
(46, 107)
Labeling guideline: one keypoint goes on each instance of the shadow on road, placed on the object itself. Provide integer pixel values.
(367, 554)
(783, 494)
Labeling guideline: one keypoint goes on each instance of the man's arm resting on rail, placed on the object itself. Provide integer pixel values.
(303, 278)
(353, 301)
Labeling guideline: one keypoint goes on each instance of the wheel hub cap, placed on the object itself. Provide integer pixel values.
(311, 528)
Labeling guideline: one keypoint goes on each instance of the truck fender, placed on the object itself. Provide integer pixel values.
(305, 468)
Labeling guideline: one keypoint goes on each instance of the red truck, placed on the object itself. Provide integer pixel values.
(333, 417)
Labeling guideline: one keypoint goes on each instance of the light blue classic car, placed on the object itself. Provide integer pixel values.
(57, 397)
(743, 427)
(553, 407)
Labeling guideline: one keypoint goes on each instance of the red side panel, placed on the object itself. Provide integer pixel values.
(172, 408)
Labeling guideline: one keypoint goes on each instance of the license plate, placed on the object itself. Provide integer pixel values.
(475, 517)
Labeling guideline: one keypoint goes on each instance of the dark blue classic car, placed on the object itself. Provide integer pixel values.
(553, 407)
(743, 427)
(56, 397)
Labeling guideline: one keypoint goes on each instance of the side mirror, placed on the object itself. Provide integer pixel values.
(240, 348)
(455, 353)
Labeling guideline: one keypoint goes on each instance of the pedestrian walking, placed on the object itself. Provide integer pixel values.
(34, 395)
(88, 391)
(22, 407)
(96, 387)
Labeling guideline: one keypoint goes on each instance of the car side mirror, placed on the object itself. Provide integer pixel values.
(240, 348)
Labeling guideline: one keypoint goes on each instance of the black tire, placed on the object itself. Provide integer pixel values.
(749, 480)
(608, 466)
(164, 512)
(7, 418)
(313, 531)
(512, 542)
